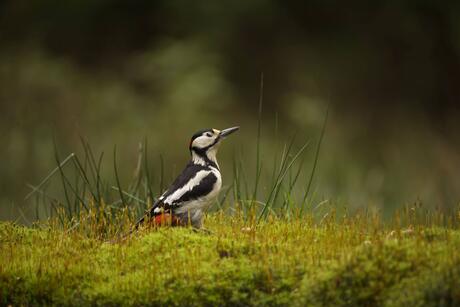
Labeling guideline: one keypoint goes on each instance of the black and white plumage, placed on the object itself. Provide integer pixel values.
(196, 187)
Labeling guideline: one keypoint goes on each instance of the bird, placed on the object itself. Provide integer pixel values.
(191, 193)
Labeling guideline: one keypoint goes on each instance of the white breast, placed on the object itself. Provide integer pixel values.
(217, 184)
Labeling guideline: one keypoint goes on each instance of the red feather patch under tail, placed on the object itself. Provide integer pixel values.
(166, 219)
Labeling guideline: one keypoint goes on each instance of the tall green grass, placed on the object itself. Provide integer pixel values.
(272, 190)
(281, 188)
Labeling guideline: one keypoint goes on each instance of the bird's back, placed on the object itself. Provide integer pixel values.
(190, 193)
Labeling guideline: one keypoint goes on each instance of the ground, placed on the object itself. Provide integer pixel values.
(290, 261)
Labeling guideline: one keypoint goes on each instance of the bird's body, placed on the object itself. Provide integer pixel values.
(190, 194)
(184, 202)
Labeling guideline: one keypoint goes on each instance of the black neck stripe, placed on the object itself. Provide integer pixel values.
(201, 152)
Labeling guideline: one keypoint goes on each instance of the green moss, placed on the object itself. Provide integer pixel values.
(366, 276)
(438, 286)
(279, 263)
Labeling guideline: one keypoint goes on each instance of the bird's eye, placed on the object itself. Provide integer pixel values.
(208, 134)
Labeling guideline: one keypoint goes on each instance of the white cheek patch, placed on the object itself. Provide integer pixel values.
(203, 141)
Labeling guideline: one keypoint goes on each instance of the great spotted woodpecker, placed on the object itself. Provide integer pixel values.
(195, 188)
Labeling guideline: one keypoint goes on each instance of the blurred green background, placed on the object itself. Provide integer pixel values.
(118, 71)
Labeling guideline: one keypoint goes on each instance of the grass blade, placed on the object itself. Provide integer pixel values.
(282, 175)
(259, 122)
(147, 172)
(117, 178)
(315, 163)
(63, 178)
(45, 180)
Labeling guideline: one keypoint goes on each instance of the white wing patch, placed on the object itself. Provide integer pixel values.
(187, 187)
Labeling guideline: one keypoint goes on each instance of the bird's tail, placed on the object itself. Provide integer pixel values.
(146, 216)
(140, 221)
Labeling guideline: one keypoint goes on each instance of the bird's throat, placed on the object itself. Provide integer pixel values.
(208, 158)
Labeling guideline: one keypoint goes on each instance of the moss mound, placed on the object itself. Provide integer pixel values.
(278, 263)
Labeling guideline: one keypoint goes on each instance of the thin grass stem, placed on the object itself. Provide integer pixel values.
(315, 163)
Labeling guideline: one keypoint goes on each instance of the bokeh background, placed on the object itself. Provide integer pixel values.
(118, 71)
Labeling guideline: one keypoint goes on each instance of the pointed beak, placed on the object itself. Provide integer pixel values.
(228, 131)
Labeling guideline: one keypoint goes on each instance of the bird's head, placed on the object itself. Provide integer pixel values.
(204, 143)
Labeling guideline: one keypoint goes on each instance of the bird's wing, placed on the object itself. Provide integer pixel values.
(194, 182)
